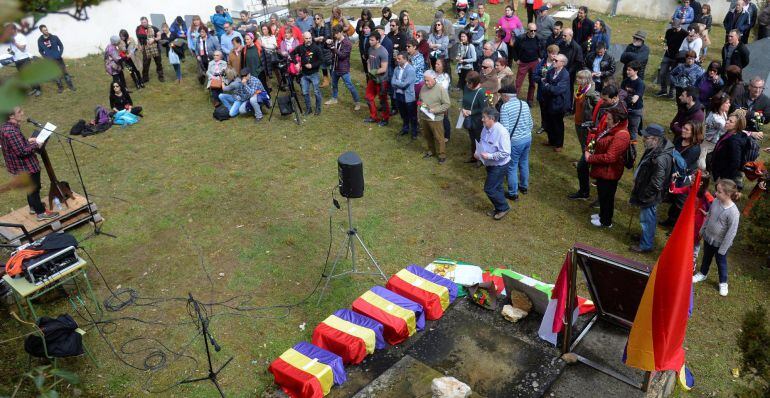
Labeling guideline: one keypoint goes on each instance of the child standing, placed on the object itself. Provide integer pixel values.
(703, 201)
(719, 231)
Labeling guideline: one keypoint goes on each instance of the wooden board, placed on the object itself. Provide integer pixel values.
(75, 214)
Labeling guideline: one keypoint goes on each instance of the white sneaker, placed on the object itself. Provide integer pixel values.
(597, 223)
(595, 216)
(331, 101)
(698, 278)
(723, 289)
(357, 107)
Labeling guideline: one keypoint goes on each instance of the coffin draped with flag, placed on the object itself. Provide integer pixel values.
(307, 371)
(660, 325)
(399, 316)
(350, 335)
(433, 292)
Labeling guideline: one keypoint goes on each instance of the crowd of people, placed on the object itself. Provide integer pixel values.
(569, 71)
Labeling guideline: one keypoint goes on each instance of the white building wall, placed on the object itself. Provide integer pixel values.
(82, 38)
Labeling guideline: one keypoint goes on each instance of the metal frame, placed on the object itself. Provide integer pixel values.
(349, 245)
(568, 346)
(50, 286)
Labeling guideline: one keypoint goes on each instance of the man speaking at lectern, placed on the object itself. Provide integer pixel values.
(20, 157)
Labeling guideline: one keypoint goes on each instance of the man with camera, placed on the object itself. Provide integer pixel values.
(220, 17)
(21, 55)
(341, 49)
(310, 55)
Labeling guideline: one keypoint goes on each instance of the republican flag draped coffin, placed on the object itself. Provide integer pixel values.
(350, 335)
(399, 316)
(307, 371)
(433, 292)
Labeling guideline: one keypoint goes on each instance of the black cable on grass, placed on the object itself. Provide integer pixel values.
(157, 359)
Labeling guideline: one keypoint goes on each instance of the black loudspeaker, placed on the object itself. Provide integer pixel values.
(351, 172)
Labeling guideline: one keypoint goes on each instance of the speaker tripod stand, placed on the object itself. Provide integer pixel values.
(349, 245)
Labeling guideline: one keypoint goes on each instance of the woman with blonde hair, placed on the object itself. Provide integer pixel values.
(726, 160)
(586, 98)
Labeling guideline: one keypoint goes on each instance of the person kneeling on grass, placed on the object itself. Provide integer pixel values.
(494, 151)
(120, 100)
(719, 231)
(246, 91)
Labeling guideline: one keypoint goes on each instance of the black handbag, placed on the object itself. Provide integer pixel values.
(285, 105)
(468, 122)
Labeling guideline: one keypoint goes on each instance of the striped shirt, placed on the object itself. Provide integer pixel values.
(508, 114)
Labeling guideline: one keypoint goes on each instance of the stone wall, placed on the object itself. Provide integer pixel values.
(653, 9)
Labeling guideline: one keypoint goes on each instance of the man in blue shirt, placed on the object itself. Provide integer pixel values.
(304, 20)
(219, 19)
(494, 151)
(226, 39)
(52, 48)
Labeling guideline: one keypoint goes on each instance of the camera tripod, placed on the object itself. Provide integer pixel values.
(349, 246)
(288, 81)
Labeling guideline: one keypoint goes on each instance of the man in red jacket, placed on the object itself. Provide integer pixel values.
(606, 155)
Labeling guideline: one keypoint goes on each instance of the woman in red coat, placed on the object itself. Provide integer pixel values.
(606, 156)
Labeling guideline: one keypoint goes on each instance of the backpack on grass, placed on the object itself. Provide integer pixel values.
(221, 113)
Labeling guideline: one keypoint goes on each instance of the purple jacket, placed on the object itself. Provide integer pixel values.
(341, 51)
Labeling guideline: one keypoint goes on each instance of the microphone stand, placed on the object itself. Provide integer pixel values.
(97, 228)
(206, 338)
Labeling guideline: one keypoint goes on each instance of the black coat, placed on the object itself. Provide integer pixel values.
(761, 106)
(727, 157)
(606, 66)
(324, 32)
(634, 53)
(740, 56)
(674, 40)
(697, 10)
(585, 31)
(653, 175)
(574, 54)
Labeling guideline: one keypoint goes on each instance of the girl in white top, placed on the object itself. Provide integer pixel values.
(714, 126)
(693, 42)
(267, 39)
(442, 78)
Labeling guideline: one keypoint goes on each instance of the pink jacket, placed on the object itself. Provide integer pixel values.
(509, 25)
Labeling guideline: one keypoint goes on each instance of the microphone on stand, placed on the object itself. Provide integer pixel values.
(34, 122)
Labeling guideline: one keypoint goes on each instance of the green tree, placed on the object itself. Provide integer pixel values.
(13, 90)
(754, 342)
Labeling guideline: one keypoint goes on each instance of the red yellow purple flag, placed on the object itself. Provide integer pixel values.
(657, 335)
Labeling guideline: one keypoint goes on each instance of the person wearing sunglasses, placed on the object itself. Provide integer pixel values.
(321, 33)
(527, 54)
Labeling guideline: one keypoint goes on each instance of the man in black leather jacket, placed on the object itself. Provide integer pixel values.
(651, 180)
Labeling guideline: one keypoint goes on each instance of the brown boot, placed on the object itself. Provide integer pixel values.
(325, 82)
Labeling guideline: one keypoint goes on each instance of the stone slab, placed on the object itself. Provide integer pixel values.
(759, 64)
(488, 353)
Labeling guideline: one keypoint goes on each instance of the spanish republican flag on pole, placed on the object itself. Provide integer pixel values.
(657, 335)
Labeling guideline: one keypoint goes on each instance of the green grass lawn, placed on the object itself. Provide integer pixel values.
(249, 205)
